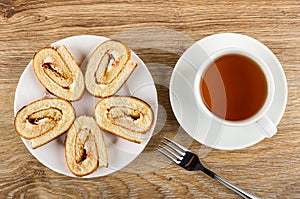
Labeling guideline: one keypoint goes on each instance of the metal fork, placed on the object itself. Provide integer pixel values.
(190, 161)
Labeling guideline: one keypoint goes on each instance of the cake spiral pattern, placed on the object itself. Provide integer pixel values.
(44, 120)
(108, 68)
(58, 72)
(126, 117)
(85, 149)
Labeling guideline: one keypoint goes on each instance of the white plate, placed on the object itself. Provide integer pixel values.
(120, 152)
(198, 125)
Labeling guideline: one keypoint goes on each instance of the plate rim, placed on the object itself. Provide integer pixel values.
(154, 105)
(201, 43)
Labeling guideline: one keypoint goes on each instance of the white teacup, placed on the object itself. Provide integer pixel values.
(259, 118)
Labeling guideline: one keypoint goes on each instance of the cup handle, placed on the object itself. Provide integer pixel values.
(267, 125)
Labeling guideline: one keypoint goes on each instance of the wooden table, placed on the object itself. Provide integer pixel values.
(270, 169)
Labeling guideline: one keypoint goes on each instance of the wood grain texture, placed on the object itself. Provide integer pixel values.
(271, 168)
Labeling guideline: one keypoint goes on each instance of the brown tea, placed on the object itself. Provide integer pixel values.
(233, 87)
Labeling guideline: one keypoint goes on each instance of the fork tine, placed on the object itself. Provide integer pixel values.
(169, 156)
(167, 148)
(177, 145)
(173, 148)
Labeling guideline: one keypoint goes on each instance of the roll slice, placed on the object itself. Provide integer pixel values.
(126, 117)
(58, 72)
(108, 68)
(85, 149)
(44, 120)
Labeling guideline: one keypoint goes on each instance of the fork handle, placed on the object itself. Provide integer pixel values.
(234, 188)
(227, 184)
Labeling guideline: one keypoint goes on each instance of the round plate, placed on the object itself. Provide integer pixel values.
(199, 126)
(120, 151)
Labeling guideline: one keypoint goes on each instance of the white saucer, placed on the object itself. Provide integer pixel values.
(120, 151)
(198, 125)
